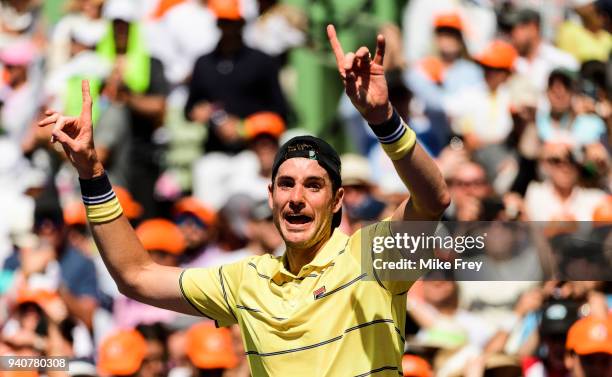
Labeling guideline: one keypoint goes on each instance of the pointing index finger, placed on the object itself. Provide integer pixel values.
(336, 47)
(86, 109)
(380, 49)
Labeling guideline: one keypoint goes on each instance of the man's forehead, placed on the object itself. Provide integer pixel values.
(301, 167)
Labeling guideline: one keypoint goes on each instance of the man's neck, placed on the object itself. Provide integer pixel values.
(296, 258)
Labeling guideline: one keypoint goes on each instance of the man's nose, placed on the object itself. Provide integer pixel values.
(296, 200)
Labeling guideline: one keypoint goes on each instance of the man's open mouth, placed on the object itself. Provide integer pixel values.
(296, 218)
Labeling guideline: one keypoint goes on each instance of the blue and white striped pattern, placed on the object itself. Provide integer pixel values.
(99, 199)
(395, 135)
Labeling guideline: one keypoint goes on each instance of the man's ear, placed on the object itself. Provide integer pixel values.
(270, 195)
(338, 199)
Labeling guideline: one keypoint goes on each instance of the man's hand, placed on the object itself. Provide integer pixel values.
(76, 137)
(364, 78)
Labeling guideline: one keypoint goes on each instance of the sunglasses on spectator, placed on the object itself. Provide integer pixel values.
(557, 161)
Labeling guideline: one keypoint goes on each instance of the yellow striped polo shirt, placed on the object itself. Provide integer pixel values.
(331, 319)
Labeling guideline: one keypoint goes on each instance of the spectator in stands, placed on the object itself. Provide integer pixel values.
(440, 306)
(565, 120)
(263, 235)
(231, 83)
(18, 93)
(210, 350)
(217, 175)
(137, 90)
(481, 113)
(63, 83)
(198, 224)
(186, 31)
(435, 77)
(122, 354)
(77, 282)
(165, 243)
(415, 366)
(589, 347)
(450, 70)
(469, 187)
(537, 58)
(588, 40)
(154, 362)
(80, 14)
(559, 197)
(359, 202)
(20, 19)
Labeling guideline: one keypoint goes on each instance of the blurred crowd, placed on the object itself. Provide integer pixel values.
(192, 99)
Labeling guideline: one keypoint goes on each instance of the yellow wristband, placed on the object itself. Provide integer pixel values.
(105, 212)
(402, 146)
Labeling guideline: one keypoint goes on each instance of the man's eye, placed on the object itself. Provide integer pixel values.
(314, 186)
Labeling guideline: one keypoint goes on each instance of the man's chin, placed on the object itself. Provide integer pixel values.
(297, 239)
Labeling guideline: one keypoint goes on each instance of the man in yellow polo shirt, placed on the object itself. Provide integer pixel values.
(314, 311)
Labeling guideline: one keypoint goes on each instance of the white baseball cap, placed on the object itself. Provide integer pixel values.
(125, 10)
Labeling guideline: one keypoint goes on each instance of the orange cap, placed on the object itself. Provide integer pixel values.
(161, 234)
(122, 353)
(603, 211)
(264, 122)
(194, 206)
(433, 68)
(131, 208)
(209, 347)
(498, 54)
(225, 9)
(449, 20)
(74, 214)
(414, 366)
(590, 335)
(36, 296)
(164, 6)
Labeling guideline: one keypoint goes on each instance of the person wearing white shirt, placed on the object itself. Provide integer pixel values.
(537, 58)
(559, 197)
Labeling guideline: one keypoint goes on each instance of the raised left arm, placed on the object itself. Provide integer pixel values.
(366, 86)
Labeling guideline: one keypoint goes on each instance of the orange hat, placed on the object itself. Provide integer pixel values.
(414, 366)
(226, 9)
(122, 353)
(194, 206)
(433, 68)
(264, 122)
(590, 335)
(448, 20)
(603, 211)
(498, 54)
(74, 214)
(163, 7)
(39, 297)
(209, 347)
(161, 234)
(131, 208)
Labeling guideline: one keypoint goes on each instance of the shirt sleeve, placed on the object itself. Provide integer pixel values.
(362, 242)
(213, 291)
